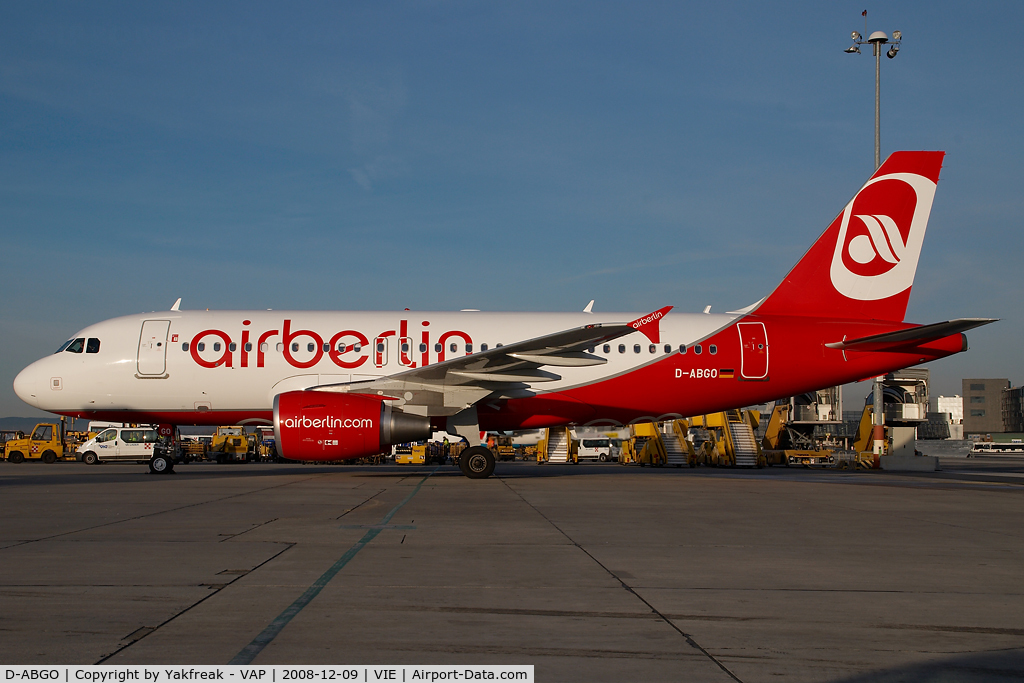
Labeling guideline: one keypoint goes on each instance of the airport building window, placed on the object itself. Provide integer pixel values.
(423, 348)
(636, 348)
(76, 346)
(712, 349)
(682, 348)
(977, 387)
(232, 346)
(201, 346)
(92, 346)
(977, 399)
(978, 413)
(216, 346)
(184, 346)
(622, 348)
(607, 348)
(697, 350)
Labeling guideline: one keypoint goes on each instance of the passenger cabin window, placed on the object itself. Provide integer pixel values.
(76, 346)
(295, 347)
(264, 347)
(201, 346)
(357, 347)
(668, 348)
(405, 348)
(712, 349)
(106, 435)
(92, 346)
(622, 348)
(469, 348)
(43, 433)
(380, 348)
(653, 348)
(423, 348)
(437, 348)
(607, 348)
(310, 346)
(216, 346)
(636, 348)
(184, 346)
(454, 347)
(248, 347)
(341, 347)
(232, 346)
(483, 347)
(682, 348)
(697, 350)
(280, 347)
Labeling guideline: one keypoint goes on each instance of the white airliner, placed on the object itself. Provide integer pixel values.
(341, 385)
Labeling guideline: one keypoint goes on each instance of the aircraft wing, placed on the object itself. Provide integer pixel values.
(912, 336)
(449, 386)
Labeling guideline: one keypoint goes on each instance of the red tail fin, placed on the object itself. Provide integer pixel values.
(863, 265)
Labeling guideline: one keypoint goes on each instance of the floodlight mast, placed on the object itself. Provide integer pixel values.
(876, 40)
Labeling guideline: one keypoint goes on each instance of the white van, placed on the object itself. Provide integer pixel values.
(595, 448)
(131, 444)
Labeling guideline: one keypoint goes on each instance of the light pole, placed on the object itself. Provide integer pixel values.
(876, 40)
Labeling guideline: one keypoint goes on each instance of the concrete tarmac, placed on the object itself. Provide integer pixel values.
(589, 572)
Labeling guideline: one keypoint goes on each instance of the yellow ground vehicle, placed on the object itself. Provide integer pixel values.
(230, 444)
(501, 446)
(785, 445)
(47, 442)
(9, 435)
(411, 454)
(557, 446)
(730, 441)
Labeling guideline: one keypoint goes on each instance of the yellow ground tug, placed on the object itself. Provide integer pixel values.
(557, 446)
(47, 442)
(728, 439)
(230, 444)
(411, 454)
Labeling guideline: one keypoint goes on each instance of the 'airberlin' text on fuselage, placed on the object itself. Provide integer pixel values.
(345, 348)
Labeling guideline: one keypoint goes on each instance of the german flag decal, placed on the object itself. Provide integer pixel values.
(725, 373)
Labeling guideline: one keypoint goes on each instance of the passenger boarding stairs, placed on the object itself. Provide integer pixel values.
(558, 443)
(741, 436)
(674, 440)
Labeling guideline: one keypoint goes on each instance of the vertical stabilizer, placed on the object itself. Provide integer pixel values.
(863, 265)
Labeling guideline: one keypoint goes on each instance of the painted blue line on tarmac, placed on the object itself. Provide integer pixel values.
(250, 651)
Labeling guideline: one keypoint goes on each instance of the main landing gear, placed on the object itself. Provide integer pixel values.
(477, 462)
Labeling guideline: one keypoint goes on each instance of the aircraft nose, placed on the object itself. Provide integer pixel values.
(29, 384)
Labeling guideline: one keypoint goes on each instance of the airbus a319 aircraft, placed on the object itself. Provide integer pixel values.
(339, 385)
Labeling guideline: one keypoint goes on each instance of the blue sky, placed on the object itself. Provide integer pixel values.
(501, 156)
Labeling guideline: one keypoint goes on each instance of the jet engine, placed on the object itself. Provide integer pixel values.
(320, 425)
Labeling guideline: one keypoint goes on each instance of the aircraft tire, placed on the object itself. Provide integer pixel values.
(49, 457)
(477, 462)
(16, 457)
(90, 458)
(161, 464)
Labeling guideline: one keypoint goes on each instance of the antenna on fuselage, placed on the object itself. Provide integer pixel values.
(176, 304)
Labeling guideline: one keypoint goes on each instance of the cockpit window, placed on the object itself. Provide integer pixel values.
(92, 346)
(64, 345)
(76, 346)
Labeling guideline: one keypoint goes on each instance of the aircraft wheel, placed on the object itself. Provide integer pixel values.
(477, 462)
(89, 458)
(16, 457)
(49, 457)
(160, 464)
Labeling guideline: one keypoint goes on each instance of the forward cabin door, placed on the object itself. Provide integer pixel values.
(153, 348)
(753, 350)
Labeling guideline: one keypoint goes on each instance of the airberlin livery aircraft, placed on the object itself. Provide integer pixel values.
(341, 385)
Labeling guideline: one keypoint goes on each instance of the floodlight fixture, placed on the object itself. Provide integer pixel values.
(897, 35)
(892, 51)
(852, 49)
(855, 36)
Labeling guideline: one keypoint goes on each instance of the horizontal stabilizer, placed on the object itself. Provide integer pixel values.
(912, 336)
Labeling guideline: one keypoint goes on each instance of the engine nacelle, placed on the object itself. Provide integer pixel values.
(321, 425)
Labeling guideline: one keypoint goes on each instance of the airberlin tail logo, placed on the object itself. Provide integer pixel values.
(880, 237)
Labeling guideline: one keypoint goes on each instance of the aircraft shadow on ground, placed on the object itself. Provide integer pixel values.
(1001, 665)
